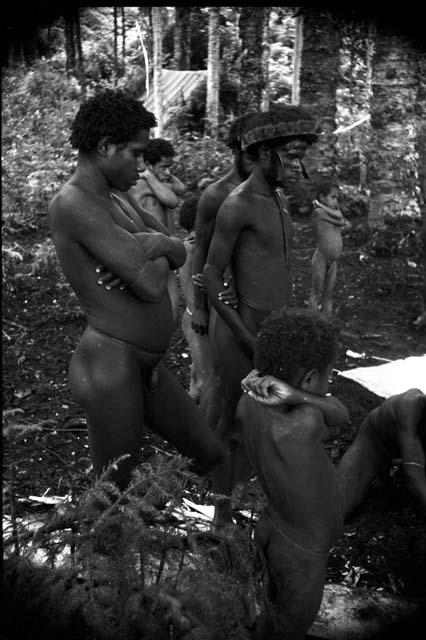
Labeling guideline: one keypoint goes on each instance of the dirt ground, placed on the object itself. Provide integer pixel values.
(377, 298)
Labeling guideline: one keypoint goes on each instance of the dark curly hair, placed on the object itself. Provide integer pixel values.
(291, 340)
(324, 187)
(158, 148)
(188, 212)
(237, 129)
(112, 114)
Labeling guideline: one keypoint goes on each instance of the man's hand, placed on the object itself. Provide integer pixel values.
(229, 294)
(266, 389)
(108, 280)
(200, 321)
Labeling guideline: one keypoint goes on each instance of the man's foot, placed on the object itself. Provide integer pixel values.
(222, 515)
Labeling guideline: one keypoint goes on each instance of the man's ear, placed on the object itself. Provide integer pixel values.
(264, 152)
(104, 146)
(309, 380)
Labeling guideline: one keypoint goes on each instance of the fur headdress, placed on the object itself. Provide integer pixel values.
(281, 121)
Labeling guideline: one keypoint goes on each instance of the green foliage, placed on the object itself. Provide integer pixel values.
(199, 160)
(132, 567)
(38, 105)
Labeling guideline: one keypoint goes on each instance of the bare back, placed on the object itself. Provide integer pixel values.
(89, 230)
(288, 455)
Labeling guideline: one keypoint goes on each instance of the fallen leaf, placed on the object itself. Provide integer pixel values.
(23, 393)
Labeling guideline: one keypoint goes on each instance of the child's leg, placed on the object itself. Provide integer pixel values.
(319, 267)
(296, 580)
(329, 280)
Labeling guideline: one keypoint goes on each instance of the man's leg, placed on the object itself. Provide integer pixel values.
(171, 413)
(365, 459)
(234, 366)
(329, 281)
(105, 379)
(319, 267)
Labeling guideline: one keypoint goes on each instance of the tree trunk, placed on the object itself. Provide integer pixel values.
(69, 42)
(181, 41)
(393, 175)
(212, 101)
(363, 156)
(123, 42)
(115, 45)
(251, 29)
(265, 62)
(157, 33)
(79, 48)
(319, 76)
(297, 59)
(421, 130)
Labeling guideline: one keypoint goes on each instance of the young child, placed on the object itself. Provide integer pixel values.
(327, 223)
(307, 498)
(199, 345)
(285, 444)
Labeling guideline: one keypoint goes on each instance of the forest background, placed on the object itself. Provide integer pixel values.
(351, 68)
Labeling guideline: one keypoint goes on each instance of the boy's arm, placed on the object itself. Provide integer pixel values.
(272, 391)
(204, 228)
(161, 190)
(177, 186)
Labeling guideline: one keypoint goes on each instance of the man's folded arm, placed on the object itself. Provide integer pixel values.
(119, 251)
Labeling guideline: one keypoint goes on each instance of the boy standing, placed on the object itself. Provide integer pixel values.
(285, 444)
(308, 498)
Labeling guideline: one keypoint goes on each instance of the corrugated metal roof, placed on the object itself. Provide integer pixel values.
(177, 86)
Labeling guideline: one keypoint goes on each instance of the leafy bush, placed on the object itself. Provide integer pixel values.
(132, 567)
(38, 105)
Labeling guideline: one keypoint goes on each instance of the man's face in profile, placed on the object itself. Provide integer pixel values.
(285, 167)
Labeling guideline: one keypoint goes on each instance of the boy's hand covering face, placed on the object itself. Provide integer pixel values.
(266, 389)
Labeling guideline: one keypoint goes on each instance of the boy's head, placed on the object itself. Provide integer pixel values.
(328, 194)
(298, 346)
(188, 213)
(158, 156)
(111, 115)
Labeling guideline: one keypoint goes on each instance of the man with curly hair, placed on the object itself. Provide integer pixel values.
(285, 417)
(253, 234)
(116, 372)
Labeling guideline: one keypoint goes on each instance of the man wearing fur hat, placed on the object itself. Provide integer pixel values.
(253, 234)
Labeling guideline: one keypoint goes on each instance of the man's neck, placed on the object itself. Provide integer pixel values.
(88, 176)
(259, 183)
(233, 176)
